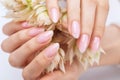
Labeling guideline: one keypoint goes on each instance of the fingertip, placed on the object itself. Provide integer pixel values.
(95, 44)
(45, 37)
(83, 43)
(25, 25)
(75, 29)
(12, 27)
(53, 10)
(52, 50)
(54, 15)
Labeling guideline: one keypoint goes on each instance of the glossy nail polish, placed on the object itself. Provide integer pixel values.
(95, 44)
(83, 44)
(54, 14)
(45, 36)
(25, 25)
(75, 29)
(35, 31)
(52, 50)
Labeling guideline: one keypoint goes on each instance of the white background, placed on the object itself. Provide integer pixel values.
(105, 73)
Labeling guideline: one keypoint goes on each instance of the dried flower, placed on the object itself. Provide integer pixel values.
(35, 12)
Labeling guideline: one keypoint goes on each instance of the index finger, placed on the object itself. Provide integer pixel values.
(40, 62)
(13, 27)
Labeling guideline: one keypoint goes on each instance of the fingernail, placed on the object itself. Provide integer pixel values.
(25, 25)
(35, 31)
(52, 50)
(83, 43)
(75, 29)
(54, 14)
(95, 44)
(45, 36)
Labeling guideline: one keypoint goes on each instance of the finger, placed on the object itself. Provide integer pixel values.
(13, 27)
(41, 62)
(75, 69)
(88, 18)
(74, 17)
(29, 48)
(101, 16)
(53, 10)
(17, 39)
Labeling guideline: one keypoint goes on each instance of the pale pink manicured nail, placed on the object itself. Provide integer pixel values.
(52, 50)
(25, 25)
(35, 31)
(95, 44)
(75, 30)
(45, 36)
(54, 14)
(83, 43)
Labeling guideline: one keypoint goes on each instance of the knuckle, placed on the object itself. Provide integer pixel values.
(4, 47)
(28, 46)
(99, 31)
(41, 62)
(12, 60)
(20, 36)
(38, 62)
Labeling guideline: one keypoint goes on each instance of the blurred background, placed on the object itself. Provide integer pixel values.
(102, 73)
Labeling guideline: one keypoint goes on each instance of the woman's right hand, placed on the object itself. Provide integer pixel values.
(24, 42)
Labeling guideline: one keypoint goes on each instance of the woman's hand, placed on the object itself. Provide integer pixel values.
(24, 43)
(86, 20)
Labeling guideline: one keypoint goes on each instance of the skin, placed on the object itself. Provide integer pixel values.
(86, 20)
(30, 63)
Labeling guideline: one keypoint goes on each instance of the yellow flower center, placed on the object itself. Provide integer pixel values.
(29, 4)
